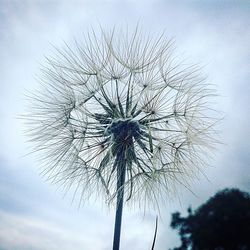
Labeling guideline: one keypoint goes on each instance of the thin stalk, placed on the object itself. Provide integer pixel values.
(156, 226)
(121, 170)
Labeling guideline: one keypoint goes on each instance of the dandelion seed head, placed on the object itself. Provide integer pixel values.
(121, 92)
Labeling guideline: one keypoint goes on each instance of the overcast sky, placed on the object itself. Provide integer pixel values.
(33, 214)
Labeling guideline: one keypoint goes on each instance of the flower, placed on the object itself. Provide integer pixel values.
(118, 111)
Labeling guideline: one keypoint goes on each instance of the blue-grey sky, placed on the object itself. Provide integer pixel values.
(35, 215)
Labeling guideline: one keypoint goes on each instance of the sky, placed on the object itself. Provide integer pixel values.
(37, 216)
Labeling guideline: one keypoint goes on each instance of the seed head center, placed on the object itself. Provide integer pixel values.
(123, 131)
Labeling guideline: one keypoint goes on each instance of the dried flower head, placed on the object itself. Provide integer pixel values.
(119, 111)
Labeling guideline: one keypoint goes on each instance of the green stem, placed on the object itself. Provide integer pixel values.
(156, 226)
(121, 170)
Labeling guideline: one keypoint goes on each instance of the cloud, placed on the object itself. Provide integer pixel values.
(27, 232)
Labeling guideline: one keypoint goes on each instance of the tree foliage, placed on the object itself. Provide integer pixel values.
(223, 222)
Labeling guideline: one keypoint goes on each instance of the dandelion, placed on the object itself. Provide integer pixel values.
(119, 116)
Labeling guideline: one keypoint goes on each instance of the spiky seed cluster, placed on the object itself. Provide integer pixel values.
(119, 94)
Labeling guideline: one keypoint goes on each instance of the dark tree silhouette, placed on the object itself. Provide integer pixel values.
(222, 223)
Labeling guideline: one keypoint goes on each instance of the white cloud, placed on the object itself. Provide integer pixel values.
(28, 232)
